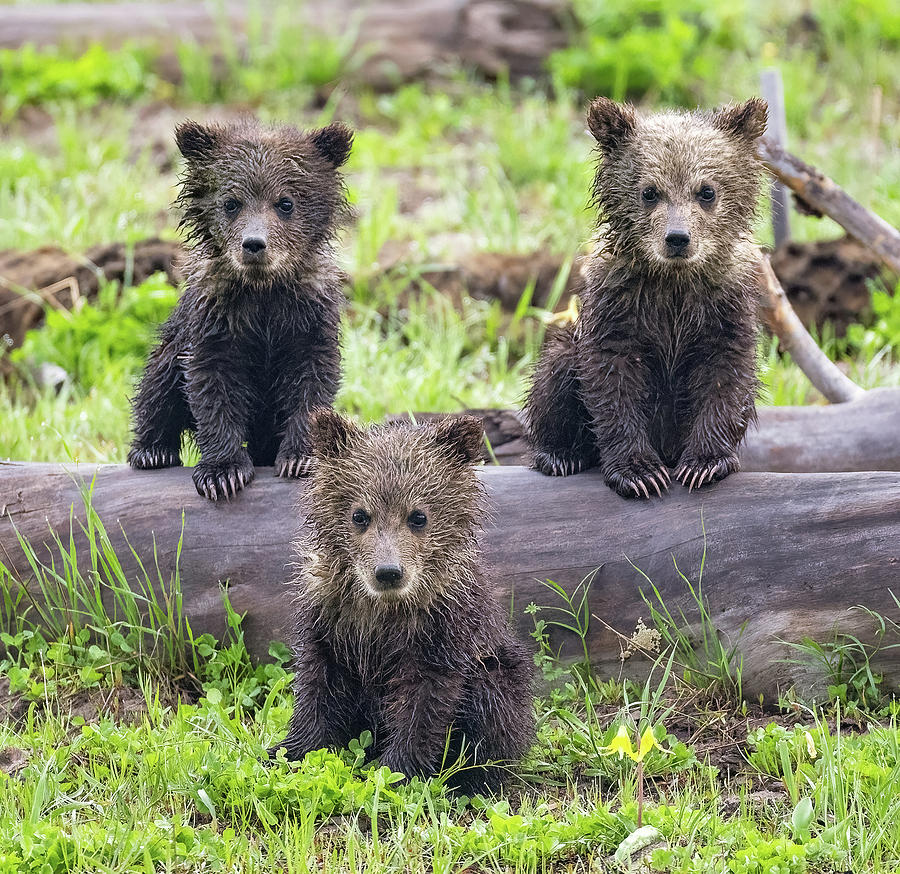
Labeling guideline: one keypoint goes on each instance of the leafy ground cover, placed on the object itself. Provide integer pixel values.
(130, 743)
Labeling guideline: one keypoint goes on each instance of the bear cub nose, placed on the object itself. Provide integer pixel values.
(253, 245)
(389, 575)
(678, 240)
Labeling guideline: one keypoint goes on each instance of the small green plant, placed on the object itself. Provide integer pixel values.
(31, 76)
(883, 337)
(628, 50)
(114, 331)
(847, 661)
(708, 662)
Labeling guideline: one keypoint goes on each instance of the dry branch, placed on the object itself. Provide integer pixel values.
(779, 316)
(828, 198)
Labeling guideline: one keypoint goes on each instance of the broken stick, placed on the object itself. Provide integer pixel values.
(828, 198)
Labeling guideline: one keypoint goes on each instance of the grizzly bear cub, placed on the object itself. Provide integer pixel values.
(252, 346)
(659, 370)
(397, 631)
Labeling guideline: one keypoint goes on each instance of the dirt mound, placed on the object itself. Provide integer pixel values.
(826, 281)
(49, 274)
(504, 277)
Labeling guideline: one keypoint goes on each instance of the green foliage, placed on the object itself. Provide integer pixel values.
(282, 56)
(776, 750)
(426, 354)
(323, 784)
(33, 76)
(846, 660)
(532, 838)
(87, 183)
(112, 334)
(709, 661)
(632, 50)
(226, 672)
(70, 628)
(883, 337)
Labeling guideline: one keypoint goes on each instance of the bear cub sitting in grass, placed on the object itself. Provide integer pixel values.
(659, 370)
(252, 346)
(397, 632)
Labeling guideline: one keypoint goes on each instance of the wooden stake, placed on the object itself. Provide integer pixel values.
(773, 91)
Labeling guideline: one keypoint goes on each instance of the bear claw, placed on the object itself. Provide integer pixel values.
(153, 457)
(294, 466)
(636, 479)
(695, 474)
(224, 480)
(557, 465)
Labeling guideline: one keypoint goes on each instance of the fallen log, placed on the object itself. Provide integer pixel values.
(786, 556)
(395, 40)
(857, 435)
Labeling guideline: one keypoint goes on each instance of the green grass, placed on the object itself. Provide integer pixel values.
(84, 185)
(177, 783)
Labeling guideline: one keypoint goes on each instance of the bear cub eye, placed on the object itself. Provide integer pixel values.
(650, 194)
(361, 519)
(285, 206)
(706, 194)
(417, 520)
(231, 205)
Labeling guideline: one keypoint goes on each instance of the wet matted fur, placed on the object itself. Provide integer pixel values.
(396, 629)
(659, 370)
(252, 346)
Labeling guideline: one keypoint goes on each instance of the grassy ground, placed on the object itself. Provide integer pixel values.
(128, 744)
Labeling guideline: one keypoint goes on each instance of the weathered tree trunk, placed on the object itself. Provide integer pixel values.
(857, 435)
(396, 40)
(787, 556)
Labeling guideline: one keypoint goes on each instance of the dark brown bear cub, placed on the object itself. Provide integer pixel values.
(252, 346)
(659, 370)
(397, 631)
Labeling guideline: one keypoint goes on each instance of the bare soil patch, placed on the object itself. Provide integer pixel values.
(49, 275)
(827, 280)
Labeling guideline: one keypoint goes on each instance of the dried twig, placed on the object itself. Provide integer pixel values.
(826, 197)
(779, 316)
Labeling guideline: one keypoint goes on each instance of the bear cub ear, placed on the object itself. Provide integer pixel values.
(331, 434)
(745, 120)
(333, 142)
(461, 435)
(611, 123)
(195, 140)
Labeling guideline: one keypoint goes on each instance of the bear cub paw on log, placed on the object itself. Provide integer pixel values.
(659, 370)
(397, 631)
(252, 346)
